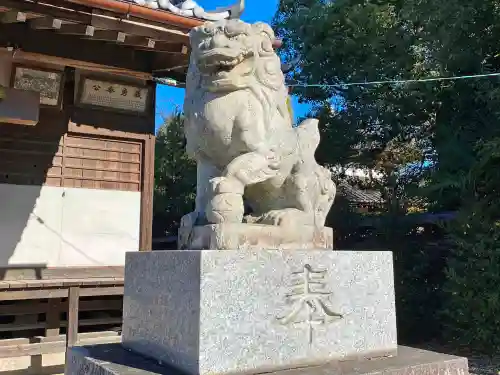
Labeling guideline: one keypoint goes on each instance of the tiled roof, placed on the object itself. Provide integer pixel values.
(189, 8)
(361, 196)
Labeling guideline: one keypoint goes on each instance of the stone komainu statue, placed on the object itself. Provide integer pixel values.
(239, 130)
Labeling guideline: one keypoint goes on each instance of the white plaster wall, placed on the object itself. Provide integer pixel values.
(99, 226)
(53, 226)
(30, 224)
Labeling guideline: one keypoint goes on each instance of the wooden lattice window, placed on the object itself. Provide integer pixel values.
(73, 161)
(101, 163)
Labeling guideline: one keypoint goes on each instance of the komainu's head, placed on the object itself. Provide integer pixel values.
(232, 54)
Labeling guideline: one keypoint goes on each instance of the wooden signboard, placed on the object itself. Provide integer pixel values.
(48, 83)
(111, 95)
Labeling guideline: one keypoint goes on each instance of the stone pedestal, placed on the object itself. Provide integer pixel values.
(275, 311)
(255, 237)
(214, 312)
(113, 359)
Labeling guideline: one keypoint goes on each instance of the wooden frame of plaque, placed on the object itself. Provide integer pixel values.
(122, 86)
(45, 101)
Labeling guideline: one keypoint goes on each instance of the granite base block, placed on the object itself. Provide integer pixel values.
(112, 359)
(229, 236)
(210, 312)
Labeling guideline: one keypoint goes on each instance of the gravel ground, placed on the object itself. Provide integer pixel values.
(478, 364)
(484, 365)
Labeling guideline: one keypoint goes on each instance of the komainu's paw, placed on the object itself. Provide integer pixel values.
(289, 217)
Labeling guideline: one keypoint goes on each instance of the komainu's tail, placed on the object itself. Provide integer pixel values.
(308, 138)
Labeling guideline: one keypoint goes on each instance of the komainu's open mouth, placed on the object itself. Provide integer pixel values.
(224, 68)
(220, 60)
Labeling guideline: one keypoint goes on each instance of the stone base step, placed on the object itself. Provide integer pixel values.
(113, 359)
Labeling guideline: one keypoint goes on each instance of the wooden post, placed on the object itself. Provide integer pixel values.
(73, 304)
(35, 360)
(53, 317)
(145, 242)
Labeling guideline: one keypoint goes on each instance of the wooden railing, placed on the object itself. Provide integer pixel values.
(40, 345)
(54, 306)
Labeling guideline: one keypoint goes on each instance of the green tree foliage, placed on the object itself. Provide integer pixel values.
(391, 125)
(378, 127)
(175, 175)
(473, 273)
(472, 305)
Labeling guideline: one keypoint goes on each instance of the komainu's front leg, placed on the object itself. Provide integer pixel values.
(251, 168)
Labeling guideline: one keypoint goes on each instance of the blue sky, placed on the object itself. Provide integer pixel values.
(168, 98)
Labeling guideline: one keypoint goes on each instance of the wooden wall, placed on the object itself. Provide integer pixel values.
(69, 160)
(73, 147)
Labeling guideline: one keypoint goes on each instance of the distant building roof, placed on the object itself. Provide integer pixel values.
(360, 196)
(190, 8)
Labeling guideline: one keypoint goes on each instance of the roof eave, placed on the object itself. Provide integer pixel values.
(139, 11)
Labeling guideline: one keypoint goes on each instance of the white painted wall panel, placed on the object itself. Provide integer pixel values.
(56, 226)
(104, 225)
(30, 224)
